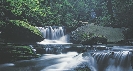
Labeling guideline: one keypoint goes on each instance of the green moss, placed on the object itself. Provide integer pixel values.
(18, 52)
(27, 48)
(26, 26)
(20, 31)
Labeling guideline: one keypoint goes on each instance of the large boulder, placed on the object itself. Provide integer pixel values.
(19, 32)
(87, 32)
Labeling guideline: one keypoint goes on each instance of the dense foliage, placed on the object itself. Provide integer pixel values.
(70, 12)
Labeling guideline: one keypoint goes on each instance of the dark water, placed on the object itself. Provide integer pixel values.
(100, 58)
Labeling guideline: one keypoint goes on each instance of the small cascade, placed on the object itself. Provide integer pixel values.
(53, 35)
(113, 61)
(51, 49)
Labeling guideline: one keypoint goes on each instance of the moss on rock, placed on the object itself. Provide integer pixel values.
(89, 31)
(19, 31)
(11, 53)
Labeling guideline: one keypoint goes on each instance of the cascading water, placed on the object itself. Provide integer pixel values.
(113, 61)
(53, 35)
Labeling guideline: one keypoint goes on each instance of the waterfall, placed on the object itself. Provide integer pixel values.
(113, 61)
(53, 35)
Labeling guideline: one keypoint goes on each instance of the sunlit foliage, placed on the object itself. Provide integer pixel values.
(70, 12)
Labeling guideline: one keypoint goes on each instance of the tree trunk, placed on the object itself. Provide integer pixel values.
(109, 7)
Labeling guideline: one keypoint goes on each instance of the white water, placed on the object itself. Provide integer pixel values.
(66, 62)
(48, 62)
(119, 61)
(53, 35)
(61, 40)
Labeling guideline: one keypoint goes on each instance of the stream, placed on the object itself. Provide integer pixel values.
(58, 54)
(118, 58)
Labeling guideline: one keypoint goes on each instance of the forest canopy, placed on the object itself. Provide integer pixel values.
(69, 12)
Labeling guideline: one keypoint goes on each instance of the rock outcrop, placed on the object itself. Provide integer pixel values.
(19, 32)
(87, 32)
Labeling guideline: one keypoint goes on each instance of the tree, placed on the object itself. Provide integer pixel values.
(26, 10)
(123, 12)
(69, 12)
(117, 13)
